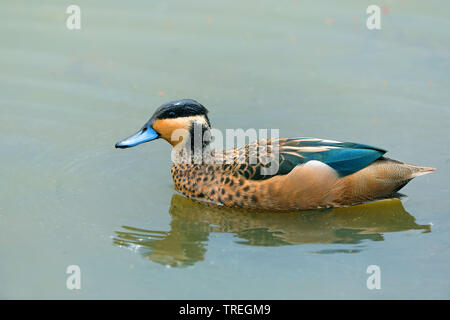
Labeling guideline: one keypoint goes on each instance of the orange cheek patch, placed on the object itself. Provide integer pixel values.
(166, 127)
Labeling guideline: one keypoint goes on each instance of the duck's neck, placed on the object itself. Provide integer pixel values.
(195, 145)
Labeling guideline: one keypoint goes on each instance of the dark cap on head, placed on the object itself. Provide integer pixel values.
(180, 108)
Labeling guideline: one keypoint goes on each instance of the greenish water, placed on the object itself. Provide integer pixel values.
(67, 197)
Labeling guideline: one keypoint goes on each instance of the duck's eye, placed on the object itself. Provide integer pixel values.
(171, 114)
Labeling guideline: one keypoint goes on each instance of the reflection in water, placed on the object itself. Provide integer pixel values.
(192, 222)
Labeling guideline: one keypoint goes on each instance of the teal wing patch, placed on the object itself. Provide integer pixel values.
(344, 157)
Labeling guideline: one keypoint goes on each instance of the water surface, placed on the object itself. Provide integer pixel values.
(311, 69)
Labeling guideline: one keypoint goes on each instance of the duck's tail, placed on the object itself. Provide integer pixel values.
(418, 171)
(403, 170)
(379, 180)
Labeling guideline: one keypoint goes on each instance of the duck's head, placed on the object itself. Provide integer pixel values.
(179, 115)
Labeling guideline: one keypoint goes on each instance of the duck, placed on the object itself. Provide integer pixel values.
(288, 174)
